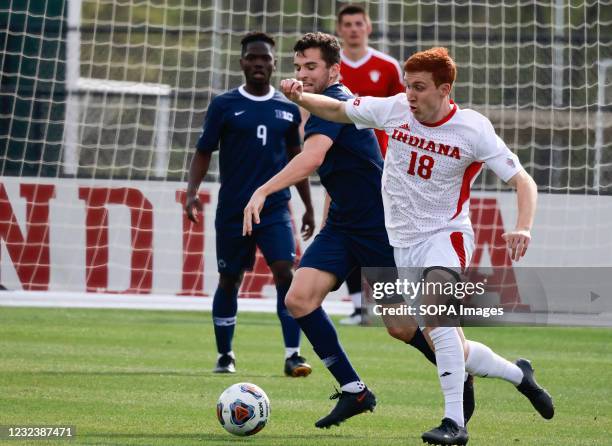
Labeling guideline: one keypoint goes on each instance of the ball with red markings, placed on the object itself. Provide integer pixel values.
(243, 409)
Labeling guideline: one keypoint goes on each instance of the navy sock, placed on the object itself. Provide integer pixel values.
(291, 329)
(419, 342)
(321, 333)
(224, 310)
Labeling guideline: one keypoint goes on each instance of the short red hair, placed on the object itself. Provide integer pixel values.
(435, 61)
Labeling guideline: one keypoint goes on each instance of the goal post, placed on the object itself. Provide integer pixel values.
(105, 88)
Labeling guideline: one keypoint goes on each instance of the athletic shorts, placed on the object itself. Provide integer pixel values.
(236, 253)
(450, 250)
(339, 252)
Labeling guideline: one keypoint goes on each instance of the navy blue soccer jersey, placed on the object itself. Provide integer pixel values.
(252, 134)
(351, 171)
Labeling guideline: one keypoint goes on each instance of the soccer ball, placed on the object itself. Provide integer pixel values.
(243, 409)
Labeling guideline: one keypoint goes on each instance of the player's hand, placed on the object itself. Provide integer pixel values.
(517, 242)
(292, 88)
(193, 207)
(251, 212)
(308, 224)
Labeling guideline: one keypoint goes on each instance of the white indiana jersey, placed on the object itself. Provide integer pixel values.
(430, 168)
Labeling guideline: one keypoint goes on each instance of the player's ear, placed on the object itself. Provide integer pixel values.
(368, 25)
(334, 71)
(445, 89)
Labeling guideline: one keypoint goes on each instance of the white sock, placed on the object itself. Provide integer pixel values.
(289, 351)
(353, 387)
(451, 370)
(231, 353)
(482, 361)
(356, 298)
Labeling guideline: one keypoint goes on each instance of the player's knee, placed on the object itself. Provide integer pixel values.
(402, 333)
(229, 283)
(440, 275)
(292, 302)
(297, 303)
(282, 273)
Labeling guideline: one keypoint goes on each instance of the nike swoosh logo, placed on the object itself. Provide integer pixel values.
(361, 397)
(238, 113)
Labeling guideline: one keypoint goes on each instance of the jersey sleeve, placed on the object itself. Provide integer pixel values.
(211, 130)
(318, 126)
(367, 112)
(496, 154)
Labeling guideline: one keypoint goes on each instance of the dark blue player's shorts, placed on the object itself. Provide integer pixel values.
(236, 253)
(339, 252)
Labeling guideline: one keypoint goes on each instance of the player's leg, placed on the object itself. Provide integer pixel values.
(224, 309)
(375, 251)
(234, 252)
(278, 247)
(480, 360)
(322, 267)
(484, 362)
(406, 329)
(376, 255)
(353, 283)
(450, 362)
(442, 335)
(295, 363)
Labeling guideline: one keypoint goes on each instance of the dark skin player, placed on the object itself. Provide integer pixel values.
(258, 64)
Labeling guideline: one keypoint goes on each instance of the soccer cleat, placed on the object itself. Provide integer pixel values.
(537, 395)
(296, 365)
(469, 402)
(356, 318)
(349, 405)
(448, 433)
(225, 364)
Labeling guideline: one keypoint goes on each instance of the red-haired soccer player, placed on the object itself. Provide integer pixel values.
(435, 152)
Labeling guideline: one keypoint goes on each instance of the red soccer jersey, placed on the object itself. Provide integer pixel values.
(375, 74)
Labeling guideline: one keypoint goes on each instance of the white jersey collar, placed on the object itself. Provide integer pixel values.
(248, 95)
(356, 63)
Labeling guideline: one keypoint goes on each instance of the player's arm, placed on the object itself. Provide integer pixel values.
(303, 188)
(197, 171)
(299, 168)
(206, 144)
(324, 107)
(526, 196)
(507, 167)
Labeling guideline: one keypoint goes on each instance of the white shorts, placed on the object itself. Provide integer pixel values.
(451, 250)
(447, 249)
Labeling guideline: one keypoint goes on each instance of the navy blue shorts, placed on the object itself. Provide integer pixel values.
(339, 252)
(236, 253)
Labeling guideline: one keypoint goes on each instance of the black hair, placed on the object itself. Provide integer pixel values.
(350, 10)
(328, 44)
(256, 36)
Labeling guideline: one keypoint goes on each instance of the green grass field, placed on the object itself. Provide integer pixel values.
(143, 377)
